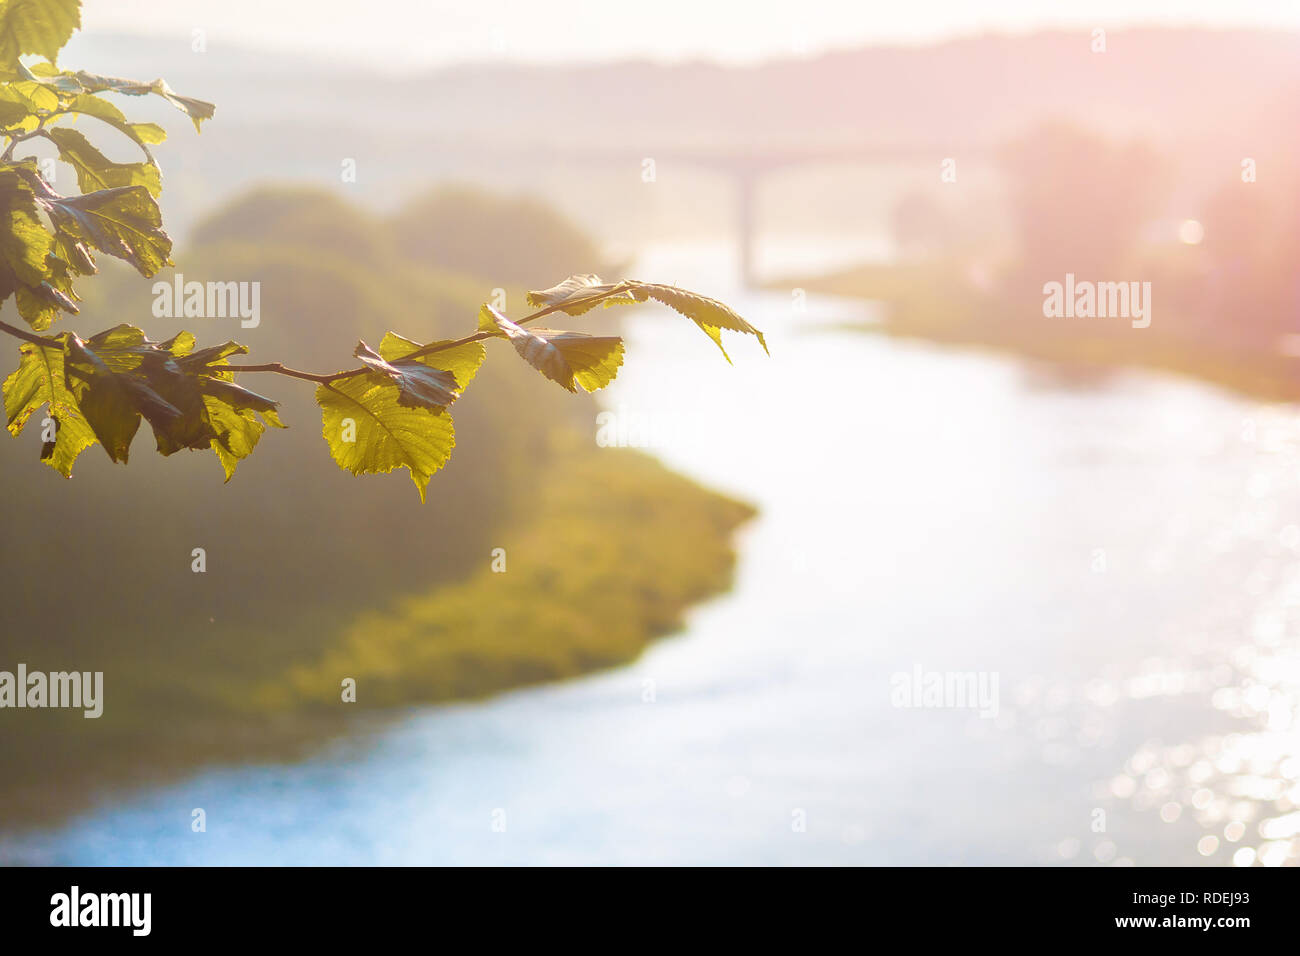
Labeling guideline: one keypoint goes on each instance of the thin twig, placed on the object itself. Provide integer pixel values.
(15, 140)
(27, 336)
(430, 349)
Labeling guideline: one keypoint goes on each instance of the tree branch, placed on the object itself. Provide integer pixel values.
(14, 140)
(429, 349)
(279, 368)
(27, 336)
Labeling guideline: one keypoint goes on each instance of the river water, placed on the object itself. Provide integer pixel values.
(1115, 564)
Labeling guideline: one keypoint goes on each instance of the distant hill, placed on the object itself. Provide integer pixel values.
(1206, 96)
(1165, 82)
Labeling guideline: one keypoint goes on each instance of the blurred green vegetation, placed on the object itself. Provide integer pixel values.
(313, 574)
(934, 301)
(565, 604)
(467, 230)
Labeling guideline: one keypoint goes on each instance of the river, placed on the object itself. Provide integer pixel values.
(1116, 564)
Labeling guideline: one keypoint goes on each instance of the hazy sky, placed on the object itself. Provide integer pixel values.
(421, 32)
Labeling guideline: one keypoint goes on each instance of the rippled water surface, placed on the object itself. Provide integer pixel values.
(1121, 558)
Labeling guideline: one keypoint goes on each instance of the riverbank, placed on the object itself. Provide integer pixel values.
(606, 555)
(937, 301)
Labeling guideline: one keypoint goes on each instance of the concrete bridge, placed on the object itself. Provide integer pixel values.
(744, 166)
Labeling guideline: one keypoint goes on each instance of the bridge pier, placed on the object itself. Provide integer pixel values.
(746, 215)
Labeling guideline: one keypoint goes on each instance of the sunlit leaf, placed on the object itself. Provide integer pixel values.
(35, 95)
(189, 398)
(215, 411)
(95, 171)
(47, 74)
(24, 243)
(581, 293)
(709, 314)
(569, 358)
(196, 110)
(123, 222)
(41, 304)
(35, 26)
(418, 385)
(12, 110)
(113, 390)
(40, 381)
(461, 359)
(23, 103)
(143, 135)
(370, 431)
(74, 255)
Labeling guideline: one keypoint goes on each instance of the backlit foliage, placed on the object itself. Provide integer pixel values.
(389, 411)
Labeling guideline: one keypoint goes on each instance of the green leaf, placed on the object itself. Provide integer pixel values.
(24, 243)
(237, 430)
(189, 398)
(462, 359)
(78, 258)
(215, 411)
(124, 222)
(35, 26)
(21, 112)
(50, 75)
(35, 267)
(569, 358)
(370, 431)
(95, 171)
(12, 111)
(40, 380)
(30, 269)
(40, 305)
(418, 385)
(196, 110)
(24, 103)
(112, 388)
(581, 293)
(143, 135)
(709, 314)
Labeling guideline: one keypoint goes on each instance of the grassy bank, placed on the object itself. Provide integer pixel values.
(607, 553)
(934, 301)
(612, 551)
